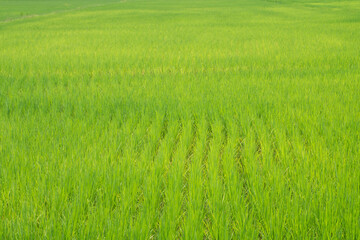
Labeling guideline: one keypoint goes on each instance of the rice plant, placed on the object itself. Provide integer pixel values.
(233, 119)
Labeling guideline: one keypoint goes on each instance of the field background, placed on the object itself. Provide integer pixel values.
(180, 119)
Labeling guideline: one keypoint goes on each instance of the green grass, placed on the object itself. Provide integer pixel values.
(180, 119)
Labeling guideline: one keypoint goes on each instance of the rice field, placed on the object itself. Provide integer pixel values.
(218, 119)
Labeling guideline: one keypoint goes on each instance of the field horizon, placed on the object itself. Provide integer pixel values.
(234, 119)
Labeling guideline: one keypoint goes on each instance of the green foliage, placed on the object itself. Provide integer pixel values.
(179, 119)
